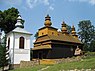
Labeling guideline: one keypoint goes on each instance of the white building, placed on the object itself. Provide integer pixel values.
(18, 43)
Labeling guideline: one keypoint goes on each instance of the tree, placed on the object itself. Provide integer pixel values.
(92, 46)
(68, 28)
(86, 33)
(36, 35)
(3, 58)
(8, 19)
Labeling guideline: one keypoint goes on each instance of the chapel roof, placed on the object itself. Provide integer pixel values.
(48, 27)
(59, 37)
(20, 30)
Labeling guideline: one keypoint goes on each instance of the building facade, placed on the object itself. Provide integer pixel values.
(52, 44)
(18, 43)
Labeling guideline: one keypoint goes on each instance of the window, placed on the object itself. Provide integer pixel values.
(8, 43)
(42, 33)
(21, 43)
(52, 33)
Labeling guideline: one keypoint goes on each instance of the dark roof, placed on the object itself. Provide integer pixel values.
(48, 27)
(42, 47)
(60, 37)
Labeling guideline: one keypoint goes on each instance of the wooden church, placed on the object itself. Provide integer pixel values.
(52, 44)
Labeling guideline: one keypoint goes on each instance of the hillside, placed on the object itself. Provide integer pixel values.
(87, 63)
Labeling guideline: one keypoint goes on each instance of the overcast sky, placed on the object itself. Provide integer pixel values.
(34, 11)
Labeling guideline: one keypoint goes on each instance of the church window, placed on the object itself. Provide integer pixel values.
(21, 43)
(8, 43)
(42, 33)
(52, 33)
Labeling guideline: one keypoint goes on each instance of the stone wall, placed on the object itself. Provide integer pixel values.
(63, 60)
(35, 62)
(32, 63)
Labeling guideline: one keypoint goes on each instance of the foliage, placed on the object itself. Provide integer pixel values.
(3, 58)
(92, 46)
(86, 34)
(8, 19)
(68, 28)
(89, 54)
(36, 35)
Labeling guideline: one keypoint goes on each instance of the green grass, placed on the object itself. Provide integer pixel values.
(35, 68)
(84, 64)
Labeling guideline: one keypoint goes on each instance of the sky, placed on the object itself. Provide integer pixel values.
(34, 12)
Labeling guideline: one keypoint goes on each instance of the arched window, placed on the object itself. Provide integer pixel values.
(21, 42)
(8, 43)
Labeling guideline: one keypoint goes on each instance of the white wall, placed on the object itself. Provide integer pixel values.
(19, 54)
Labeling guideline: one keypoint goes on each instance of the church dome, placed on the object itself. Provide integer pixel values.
(19, 22)
(73, 32)
(64, 29)
(47, 22)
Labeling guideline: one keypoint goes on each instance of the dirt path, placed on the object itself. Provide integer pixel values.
(44, 68)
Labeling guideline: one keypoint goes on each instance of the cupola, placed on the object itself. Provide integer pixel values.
(64, 29)
(19, 22)
(73, 32)
(48, 21)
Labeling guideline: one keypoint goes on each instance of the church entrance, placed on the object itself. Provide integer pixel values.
(40, 55)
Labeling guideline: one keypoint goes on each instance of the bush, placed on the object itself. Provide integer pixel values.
(89, 54)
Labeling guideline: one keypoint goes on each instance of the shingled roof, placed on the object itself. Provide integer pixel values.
(59, 37)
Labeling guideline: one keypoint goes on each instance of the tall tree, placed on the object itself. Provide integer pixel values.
(86, 33)
(3, 57)
(8, 19)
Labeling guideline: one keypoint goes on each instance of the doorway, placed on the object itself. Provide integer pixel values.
(40, 55)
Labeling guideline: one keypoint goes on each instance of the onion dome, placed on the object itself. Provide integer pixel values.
(47, 21)
(64, 29)
(73, 31)
(19, 23)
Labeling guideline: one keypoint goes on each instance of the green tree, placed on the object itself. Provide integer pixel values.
(68, 28)
(3, 58)
(86, 33)
(36, 35)
(92, 46)
(8, 19)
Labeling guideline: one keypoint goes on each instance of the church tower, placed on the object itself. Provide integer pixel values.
(47, 29)
(18, 43)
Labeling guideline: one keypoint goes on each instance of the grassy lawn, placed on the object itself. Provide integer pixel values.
(85, 64)
(35, 68)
